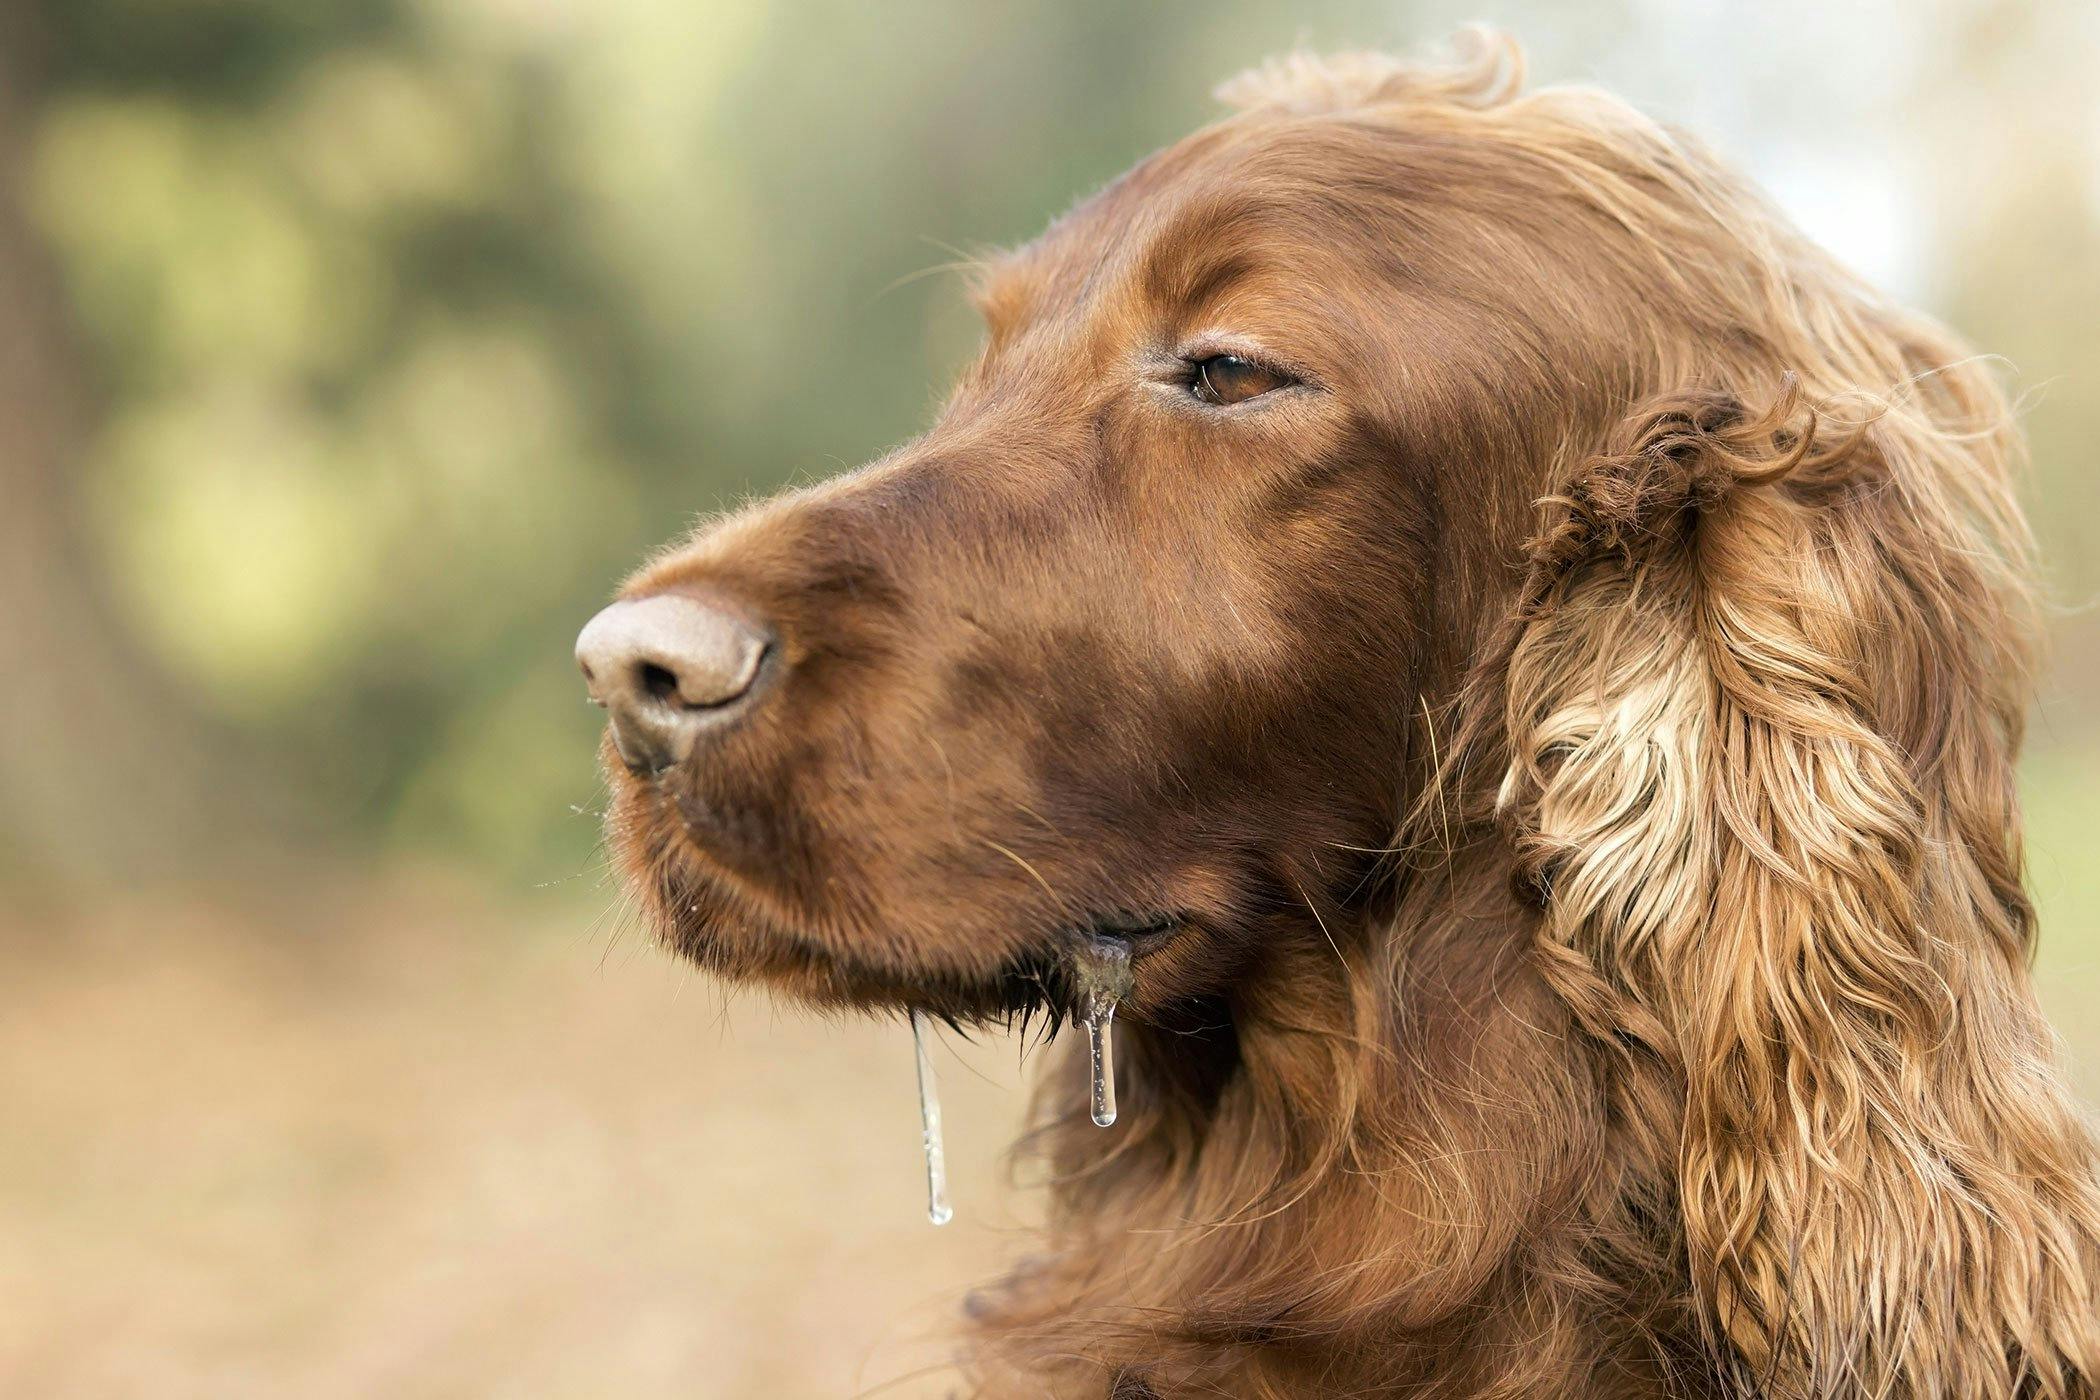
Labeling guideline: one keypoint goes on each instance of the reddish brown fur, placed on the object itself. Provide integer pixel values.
(1658, 586)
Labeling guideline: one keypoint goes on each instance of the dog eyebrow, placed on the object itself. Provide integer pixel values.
(1206, 246)
(1203, 280)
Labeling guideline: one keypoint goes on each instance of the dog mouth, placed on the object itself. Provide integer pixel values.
(1046, 986)
(1139, 933)
(1041, 983)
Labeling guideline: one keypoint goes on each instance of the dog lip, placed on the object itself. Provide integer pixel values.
(1141, 932)
(745, 943)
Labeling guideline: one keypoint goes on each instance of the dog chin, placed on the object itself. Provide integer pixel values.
(717, 931)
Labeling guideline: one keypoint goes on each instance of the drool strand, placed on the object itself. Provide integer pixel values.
(1101, 1055)
(1102, 971)
(937, 1209)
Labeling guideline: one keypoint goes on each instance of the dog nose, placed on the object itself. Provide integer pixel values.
(667, 668)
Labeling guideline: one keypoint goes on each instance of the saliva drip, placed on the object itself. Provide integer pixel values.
(1102, 971)
(1102, 976)
(937, 1208)
(1101, 1057)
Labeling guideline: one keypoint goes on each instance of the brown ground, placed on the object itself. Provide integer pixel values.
(412, 1148)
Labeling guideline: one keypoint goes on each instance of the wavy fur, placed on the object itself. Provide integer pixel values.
(1790, 900)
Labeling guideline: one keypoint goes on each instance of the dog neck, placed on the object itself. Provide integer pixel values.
(1385, 1161)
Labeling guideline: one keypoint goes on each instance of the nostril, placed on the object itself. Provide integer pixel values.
(659, 682)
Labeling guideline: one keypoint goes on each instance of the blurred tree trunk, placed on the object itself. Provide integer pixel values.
(103, 767)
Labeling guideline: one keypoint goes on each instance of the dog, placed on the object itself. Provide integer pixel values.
(1525, 655)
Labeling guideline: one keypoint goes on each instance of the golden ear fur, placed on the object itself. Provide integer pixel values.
(1761, 700)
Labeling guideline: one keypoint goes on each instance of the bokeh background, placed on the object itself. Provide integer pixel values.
(349, 353)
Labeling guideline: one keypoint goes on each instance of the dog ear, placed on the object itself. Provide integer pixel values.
(1760, 700)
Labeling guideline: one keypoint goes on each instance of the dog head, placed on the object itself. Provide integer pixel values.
(1134, 641)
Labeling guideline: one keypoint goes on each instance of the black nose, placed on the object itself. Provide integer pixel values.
(668, 668)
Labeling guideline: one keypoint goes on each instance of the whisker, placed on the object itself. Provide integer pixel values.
(1017, 860)
(1324, 932)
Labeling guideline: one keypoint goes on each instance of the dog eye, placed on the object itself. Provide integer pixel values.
(1228, 379)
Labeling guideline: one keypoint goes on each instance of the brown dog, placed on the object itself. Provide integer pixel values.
(1527, 655)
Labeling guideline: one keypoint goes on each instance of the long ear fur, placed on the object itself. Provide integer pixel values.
(1761, 700)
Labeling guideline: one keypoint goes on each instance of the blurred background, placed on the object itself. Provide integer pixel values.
(349, 354)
